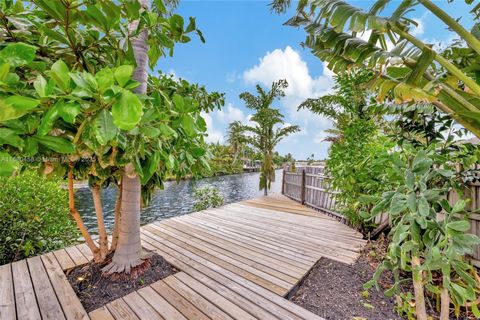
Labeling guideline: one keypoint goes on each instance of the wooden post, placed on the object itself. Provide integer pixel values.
(283, 182)
(303, 187)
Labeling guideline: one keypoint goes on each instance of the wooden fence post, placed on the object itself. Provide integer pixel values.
(303, 187)
(283, 182)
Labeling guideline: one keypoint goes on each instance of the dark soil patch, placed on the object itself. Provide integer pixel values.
(95, 290)
(334, 290)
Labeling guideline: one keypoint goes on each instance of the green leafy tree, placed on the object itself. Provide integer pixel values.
(407, 71)
(268, 130)
(76, 98)
(359, 151)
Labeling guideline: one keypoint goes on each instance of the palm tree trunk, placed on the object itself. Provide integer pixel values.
(128, 254)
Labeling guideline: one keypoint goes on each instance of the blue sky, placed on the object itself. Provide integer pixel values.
(247, 44)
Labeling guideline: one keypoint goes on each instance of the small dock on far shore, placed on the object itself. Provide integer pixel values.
(238, 261)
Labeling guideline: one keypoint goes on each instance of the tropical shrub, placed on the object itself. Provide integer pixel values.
(207, 197)
(429, 237)
(34, 217)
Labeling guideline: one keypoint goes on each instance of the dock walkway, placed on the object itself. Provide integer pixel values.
(236, 262)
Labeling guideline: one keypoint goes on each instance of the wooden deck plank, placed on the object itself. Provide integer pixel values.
(76, 255)
(64, 259)
(196, 267)
(240, 250)
(85, 250)
(278, 251)
(7, 294)
(101, 314)
(232, 255)
(244, 271)
(236, 262)
(71, 305)
(120, 310)
(142, 309)
(178, 301)
(25, 301)
(195, 299)
(47, 300)
(160, 304)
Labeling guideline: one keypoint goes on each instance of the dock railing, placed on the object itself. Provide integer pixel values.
(311, 186)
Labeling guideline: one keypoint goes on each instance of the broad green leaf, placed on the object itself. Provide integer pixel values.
(167, 131)
(104, 128)
(150, 132)
(188, 125)
(60, 74)
(423, 206)
(178, 102)
(10, 137)
(127, 111)
(47, 121)
(31, 147)
(123, 74)
(68, 111)
(17, 54)
(460, 226)
(14, 107)
(105, 79)
(4, 69)
(150, 167)
(8, 165)
(56, 144)
(43, 88)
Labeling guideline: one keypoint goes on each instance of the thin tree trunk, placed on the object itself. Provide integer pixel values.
(118, 206)
(128, 254)
(417, 276)
(444, 304)
(102, 240)
(76, 216)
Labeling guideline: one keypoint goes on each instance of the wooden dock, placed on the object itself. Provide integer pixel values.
(236, 262)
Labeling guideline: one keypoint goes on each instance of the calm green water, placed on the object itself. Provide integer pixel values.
(176, 199)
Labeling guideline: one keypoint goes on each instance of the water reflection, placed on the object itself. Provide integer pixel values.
(176, 199)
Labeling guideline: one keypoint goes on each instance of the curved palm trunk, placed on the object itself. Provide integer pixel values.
(128, 253)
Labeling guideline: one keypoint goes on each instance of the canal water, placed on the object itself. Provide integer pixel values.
(176, 198)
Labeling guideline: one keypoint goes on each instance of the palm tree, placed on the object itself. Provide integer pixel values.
(269, 129)
(128, 253)
(236, 138)
(406, 68)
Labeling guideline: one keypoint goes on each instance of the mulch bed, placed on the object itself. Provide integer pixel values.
(334, 290)
(95, 290)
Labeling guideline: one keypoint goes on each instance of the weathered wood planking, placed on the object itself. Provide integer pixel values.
(236, 262)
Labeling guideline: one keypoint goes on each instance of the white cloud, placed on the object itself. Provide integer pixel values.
(230, 114)
(287, 64)
(214, 135)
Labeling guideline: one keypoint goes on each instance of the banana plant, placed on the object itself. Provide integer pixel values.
(407, 69)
